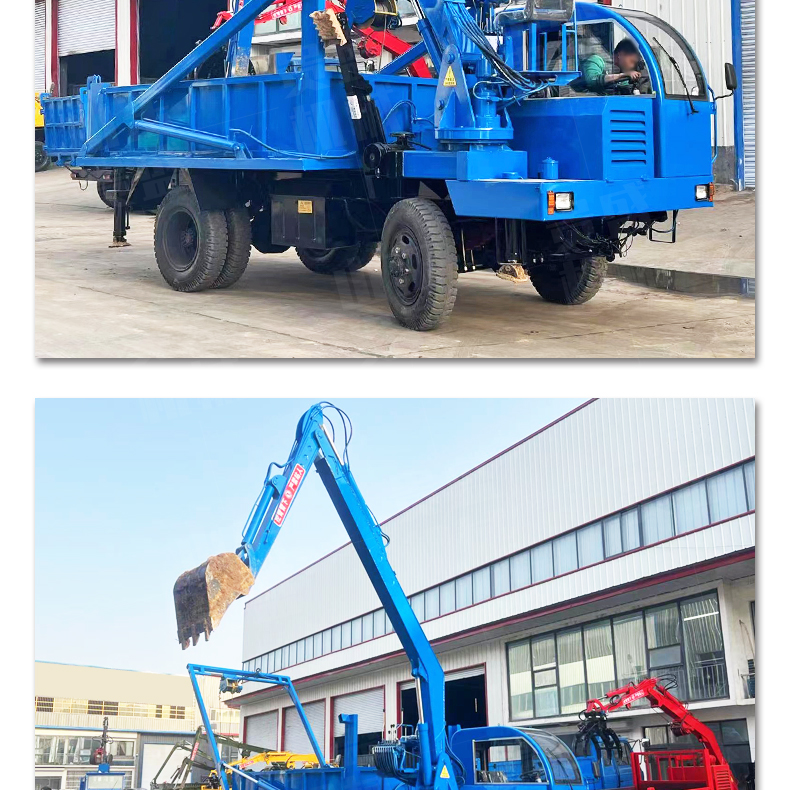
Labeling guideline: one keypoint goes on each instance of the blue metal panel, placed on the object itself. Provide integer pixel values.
(737, 61)
(526, 199)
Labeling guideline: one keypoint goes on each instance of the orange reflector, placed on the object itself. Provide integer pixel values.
(711, 191)
(552, 202)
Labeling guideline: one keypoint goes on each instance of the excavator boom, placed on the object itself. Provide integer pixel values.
(203, 595)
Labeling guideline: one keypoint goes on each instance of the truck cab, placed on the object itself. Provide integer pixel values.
(604, 769)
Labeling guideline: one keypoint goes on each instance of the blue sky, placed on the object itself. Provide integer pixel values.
(130, 493)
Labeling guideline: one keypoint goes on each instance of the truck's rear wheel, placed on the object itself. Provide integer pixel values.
(419, 264)
(342, 259)
(42, 160)
(573, 282)
(103, 187)
(191, 246)
(239, 243)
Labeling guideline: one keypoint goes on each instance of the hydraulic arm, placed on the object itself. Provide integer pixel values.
(203, 595)
(683, 722)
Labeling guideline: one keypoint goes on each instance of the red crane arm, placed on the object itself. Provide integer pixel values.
(683, 721)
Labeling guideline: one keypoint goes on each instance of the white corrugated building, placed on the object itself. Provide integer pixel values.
(617, 542)
(123, 41)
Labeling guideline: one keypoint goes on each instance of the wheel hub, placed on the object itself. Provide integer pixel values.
(405, 267)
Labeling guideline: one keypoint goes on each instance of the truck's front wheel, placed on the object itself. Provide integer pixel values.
(572, 282)
(419, 264)
(342, 259)
(190, 245)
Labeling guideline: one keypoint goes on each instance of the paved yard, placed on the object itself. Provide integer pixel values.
(92, 301)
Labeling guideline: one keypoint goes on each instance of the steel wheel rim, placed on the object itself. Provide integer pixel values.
(182, 241)
(405, 267)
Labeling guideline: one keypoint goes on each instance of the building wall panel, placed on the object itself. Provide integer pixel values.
(604, 457)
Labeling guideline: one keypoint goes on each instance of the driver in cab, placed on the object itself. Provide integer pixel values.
(625, 62)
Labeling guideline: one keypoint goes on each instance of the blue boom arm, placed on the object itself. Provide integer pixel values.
(314, 446)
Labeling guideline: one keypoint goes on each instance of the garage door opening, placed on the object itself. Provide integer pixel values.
(368, 706)
(464, 700)
(75, 69)
(169, 31)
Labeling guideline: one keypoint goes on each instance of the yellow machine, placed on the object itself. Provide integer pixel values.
(42, 160)
(268, 761)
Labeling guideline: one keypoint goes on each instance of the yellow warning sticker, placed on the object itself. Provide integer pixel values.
(449, 82)
(305, 207)
(445, 774)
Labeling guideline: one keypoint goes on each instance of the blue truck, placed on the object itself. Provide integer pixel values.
(430, 755)
(511, 157)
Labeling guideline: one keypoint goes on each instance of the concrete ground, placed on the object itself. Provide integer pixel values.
(719, 241)
(96, 302)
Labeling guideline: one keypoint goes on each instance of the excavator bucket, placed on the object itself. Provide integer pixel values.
(203, 595)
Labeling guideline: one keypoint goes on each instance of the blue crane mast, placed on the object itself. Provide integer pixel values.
(203, 595)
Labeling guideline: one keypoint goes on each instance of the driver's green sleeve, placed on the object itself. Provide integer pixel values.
(594, 71)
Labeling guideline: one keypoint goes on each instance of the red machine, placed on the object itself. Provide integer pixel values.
(683, 769)
(371, 45)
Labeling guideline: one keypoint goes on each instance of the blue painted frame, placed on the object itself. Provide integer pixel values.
(196, 670)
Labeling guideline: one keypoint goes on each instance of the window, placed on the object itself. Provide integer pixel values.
(629, 528)
(336, 638)
(345, 634)
(447, 598)
(378, 623)
(542, 563)
(563, 765)
(727, 495)
(367, 627)
(432, 603)
(519, 571)
(501, 575)
(44, 704)
(326, 641)
(481, 585)
(356, 630)
(748, 473)
(463, 591)
(670, 49)
(508, 760)
(309, 647)
(520, 677)
(629, 648)
(662, 624)
(558, 672)
(590, 544)
(612, 536)
(300, 651)
(418, 606)
(599, 658)
(292, 654)
(544, 668)
(691, 508)
(657, 520)
(570, 659)
(565, 558)
(704, 648)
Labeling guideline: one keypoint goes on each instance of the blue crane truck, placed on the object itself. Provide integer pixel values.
(511, 158)
(430, 755)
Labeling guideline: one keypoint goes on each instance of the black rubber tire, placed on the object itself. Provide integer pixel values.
(342, 259)
(239, 244)
(428, 229)
(102, 187)
(42, 160)
(575, 282)
(179, 216)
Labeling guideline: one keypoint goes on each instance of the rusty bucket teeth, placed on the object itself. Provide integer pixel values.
(203, 595)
